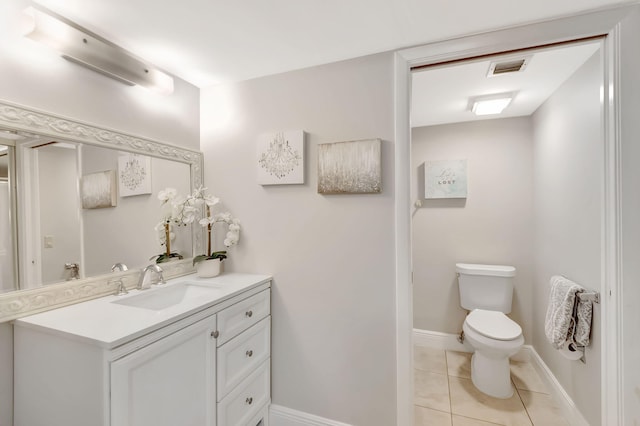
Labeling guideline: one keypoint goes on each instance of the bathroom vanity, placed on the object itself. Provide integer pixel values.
(191, 352)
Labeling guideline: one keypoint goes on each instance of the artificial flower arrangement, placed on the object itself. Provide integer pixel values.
(195, 207)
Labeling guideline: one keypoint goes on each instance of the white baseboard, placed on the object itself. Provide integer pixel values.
(449, 342)
(437, 340)
(573, 416)
(283, 416)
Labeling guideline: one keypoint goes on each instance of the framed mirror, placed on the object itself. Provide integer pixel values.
(76, 200)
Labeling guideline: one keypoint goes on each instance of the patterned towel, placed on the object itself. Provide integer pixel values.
(568, 319)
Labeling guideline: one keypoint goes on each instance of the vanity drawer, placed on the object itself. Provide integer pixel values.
(237, 318)
(246, 400)
(241, 355)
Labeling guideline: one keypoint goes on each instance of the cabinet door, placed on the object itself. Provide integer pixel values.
(170, 382)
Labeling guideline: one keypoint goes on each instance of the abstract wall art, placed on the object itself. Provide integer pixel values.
(445, 179)
(98, 190)
(134, 175)
(281, 158)
(350, 167)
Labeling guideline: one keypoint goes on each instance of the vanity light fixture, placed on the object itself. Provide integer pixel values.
(81, 46)
(490, 105)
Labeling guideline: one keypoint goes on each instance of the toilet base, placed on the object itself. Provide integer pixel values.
(491, 375)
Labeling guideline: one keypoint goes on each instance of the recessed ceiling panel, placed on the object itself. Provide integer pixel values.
(441, 94)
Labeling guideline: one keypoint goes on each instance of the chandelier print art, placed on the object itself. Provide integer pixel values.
(281, 158)
(133, 174)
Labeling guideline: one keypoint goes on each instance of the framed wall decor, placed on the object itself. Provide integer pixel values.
(445, 179)
(352, 167)
(134, 175)
(98, 190)
(281, 158)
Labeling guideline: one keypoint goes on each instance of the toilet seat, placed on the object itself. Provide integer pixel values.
(493, 324)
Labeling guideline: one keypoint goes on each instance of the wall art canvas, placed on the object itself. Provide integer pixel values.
(134, 175)
(350, 167)
(281, 158)
(98, 190)
(445, 179)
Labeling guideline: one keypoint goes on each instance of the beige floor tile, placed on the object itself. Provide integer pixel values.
(431, 390)
(459, 364)
(467, 401)
(429, 359)
(526, 377)
(542, 410)
(423, 416)
(466, 421)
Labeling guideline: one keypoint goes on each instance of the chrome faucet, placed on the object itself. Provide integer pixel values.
(119, 267)
(154, 268)
(74, 271)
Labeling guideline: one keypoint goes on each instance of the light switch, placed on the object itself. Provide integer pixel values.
(48, 241)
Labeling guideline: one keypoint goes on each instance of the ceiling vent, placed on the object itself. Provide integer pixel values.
(508, 66)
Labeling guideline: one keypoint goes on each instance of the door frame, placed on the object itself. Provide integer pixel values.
(603, 22)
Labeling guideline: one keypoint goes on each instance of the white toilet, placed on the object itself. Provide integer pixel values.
(487, 291)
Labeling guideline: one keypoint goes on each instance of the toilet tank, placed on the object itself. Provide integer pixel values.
(487, 287)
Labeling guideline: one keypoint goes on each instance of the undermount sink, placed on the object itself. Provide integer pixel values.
(161, 298)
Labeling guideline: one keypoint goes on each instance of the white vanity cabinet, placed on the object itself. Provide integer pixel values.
(169, 382)
(207, 366)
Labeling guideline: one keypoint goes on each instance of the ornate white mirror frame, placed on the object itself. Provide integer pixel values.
(20, 303)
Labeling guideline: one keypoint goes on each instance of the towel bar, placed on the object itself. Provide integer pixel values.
(592, 296)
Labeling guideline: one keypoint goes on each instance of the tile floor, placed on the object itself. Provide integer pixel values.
(445, 395)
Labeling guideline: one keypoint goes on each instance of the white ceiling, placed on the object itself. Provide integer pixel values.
(441, 94)
(212, 41)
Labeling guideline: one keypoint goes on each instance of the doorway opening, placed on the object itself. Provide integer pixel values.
(617, 25)
(522, 188)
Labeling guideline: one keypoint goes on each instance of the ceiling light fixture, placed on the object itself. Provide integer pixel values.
(85, 48)
(490, 105)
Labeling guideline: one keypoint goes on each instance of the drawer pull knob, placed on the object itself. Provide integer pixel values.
(215, 334)
(249, 314)
(249, 353)
(249, 400)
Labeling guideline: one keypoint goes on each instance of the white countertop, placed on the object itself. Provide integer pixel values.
(110, 324)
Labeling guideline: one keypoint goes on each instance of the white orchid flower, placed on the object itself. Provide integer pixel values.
(199, 192)
(178, 210)
(223, 217)
(188, 218)
(211, 200)
(167, 194)
(207, 221)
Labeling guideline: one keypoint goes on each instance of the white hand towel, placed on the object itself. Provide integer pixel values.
(583, 325)
(560, 321)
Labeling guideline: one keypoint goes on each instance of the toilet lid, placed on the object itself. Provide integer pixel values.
(493, 324)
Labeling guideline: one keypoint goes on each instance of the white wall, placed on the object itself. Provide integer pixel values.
(6, 240)
(107, 231)
(34, 76)
(493, 225)
(6, 374)
(568, 176)
(331, 257)
(59, 211)
(630, 176)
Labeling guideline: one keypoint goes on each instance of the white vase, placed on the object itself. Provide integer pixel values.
(208, 268)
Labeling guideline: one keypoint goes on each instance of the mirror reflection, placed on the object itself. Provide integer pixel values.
(7, 234)
(80, 210)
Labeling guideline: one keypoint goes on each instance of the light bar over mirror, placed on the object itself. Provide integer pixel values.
(85, 48)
